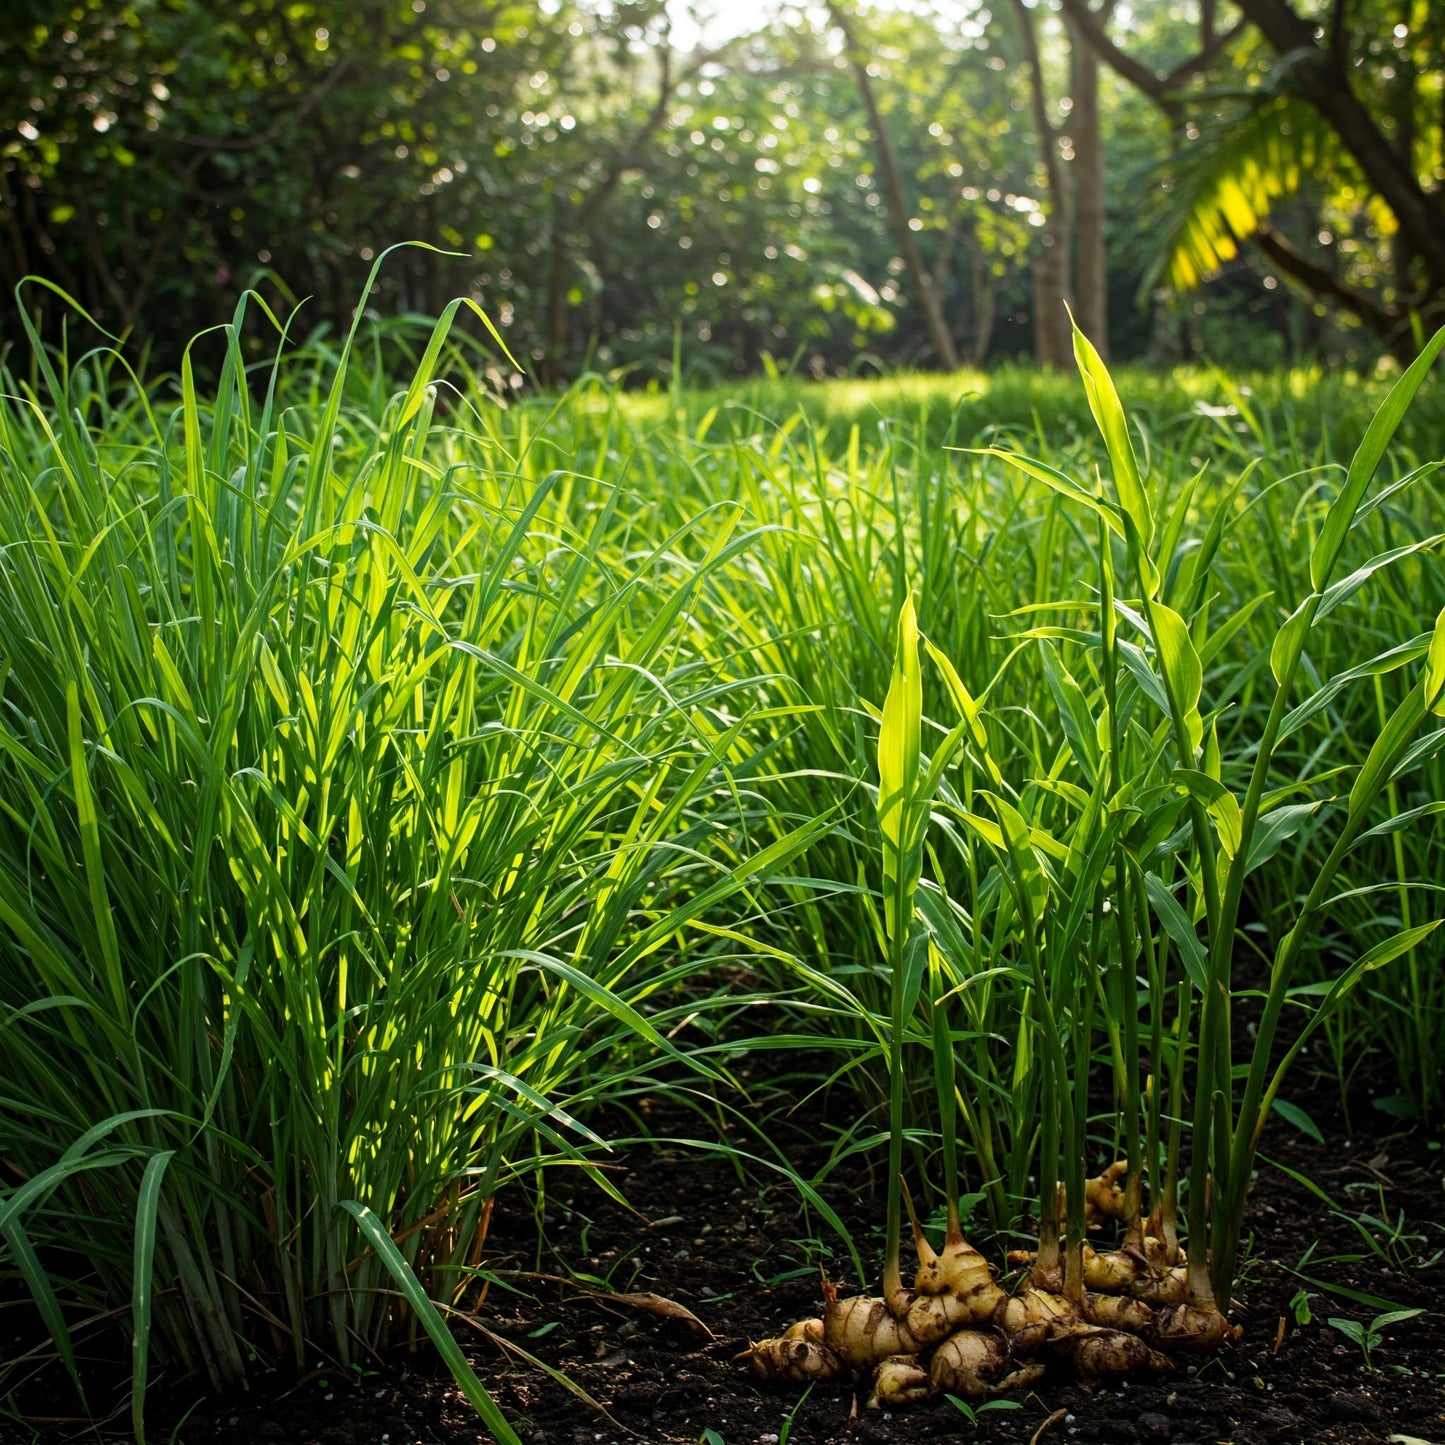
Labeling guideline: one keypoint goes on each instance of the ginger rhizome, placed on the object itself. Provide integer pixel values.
(1101, 1314)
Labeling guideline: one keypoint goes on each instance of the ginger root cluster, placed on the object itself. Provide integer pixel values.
(1116, 1313)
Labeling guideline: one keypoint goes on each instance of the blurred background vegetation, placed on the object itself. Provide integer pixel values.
(828, 189)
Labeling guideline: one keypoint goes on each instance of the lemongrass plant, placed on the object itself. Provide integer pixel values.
(360, 788)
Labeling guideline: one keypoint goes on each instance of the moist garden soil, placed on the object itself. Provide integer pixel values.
(734, 1245)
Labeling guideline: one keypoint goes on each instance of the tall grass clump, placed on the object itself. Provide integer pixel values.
(360, 786)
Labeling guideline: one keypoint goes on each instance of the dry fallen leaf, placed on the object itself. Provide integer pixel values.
(660, 1305)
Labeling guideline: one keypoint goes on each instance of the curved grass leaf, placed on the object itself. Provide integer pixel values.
(1183, 672)
(1114, 428)
(1178, 927)
(1382, 428)
(431, 1320)
(147, 1203)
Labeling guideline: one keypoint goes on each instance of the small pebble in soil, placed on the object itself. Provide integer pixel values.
(1153, 1426)
(1352, 1407)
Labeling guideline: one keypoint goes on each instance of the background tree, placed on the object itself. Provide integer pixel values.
(1086, 130)
(925, 294)
(161, 147)
(1338, 105)
(1052, 264)
(603, 181)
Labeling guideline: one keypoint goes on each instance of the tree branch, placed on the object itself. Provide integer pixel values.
(1293, 263)
(1339, 31)
(1203, 58)
(1159, 87)
(626, 158)
(1091, 27)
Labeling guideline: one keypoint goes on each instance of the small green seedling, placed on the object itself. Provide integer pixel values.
(972, 1412)
(787, 1428)
(1397, 1246)
(1367, 1336)
(710, 1437)
(1300, 1304)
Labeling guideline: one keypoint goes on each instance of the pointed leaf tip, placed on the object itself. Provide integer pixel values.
(1113, 426)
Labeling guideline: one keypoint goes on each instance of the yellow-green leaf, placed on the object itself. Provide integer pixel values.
(899, 748)
(1362, 467)
(1182, 669)
(1114, 427)
(1435, 668)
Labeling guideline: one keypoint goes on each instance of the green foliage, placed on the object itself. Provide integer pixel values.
(971, 1412)
(1369, 1335)
(361, 784)
(597, 174)
(597, 180)
(1320, 140)
(1225, 187)
(384, 774)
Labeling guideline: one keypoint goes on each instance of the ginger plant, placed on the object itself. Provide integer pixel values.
(979, 1340)
(1110, 880)
(1224, 830)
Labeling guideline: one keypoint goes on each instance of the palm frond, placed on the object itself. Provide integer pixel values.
(1226, 180)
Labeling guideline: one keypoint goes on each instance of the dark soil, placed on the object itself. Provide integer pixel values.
(737, 1249)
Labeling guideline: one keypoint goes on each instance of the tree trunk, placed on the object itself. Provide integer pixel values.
(985, 306)
(1051, 266)
(1384, 324)
(559, 274)
(1052, 348)
(891, 175)
(1091, 274)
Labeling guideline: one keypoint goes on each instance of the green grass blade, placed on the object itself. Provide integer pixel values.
(1381, 430)
(1183, 672)
(147, 1203)
(41, 1291)
(1435, 666)
(432, 1322)
(1114, 428)
(1385, 751)
(1178, 927)
(899, 754)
